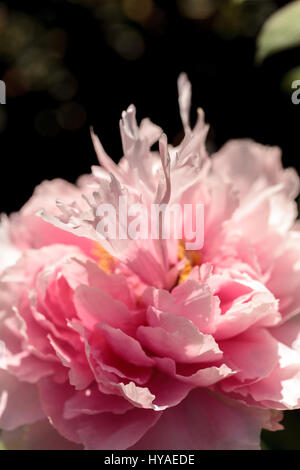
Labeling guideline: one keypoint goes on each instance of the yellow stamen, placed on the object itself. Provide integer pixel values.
(105, 261)
(193, 258)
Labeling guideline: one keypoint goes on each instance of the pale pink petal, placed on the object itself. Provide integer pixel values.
(259, 308)
(196, 302)
(288, 333)
(94, 305)
(114, 284)
(280, 390)
(285, 265)
(19, 402)
(9, 253)
(243, 354)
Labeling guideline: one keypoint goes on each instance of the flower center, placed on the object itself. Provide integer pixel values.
(105, 261)
(193, 258)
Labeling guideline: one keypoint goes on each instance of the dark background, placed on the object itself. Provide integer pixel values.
(72, 64)
(68, 65)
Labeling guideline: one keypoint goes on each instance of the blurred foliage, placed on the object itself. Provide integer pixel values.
(289, 78)
(236, 18)
(281, 31)
(34, 49)
(33, 52)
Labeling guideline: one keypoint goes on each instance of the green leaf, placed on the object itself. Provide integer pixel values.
(281, 31)
(263, 445)
(2, 447)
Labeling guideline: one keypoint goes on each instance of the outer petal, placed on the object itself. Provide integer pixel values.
(9, 253)
(29, 231)
(251, 166)
(284, 275)
(204, 421)
(97, 432)
(281, 390)
(288, 333)
(38, 436)
(19, 402)
(253, 354)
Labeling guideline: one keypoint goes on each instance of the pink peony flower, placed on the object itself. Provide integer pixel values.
(141, 344)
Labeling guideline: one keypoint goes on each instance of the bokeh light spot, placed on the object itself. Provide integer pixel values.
(71, 116)
(64, 85)
(138, 10)
(126, 41)
(197, 9)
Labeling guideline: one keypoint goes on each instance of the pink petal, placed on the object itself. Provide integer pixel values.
(114, 284)
(244, 354)
(281, 389)
(126, 347)
(196, 302)
(204, 421)
(260, 309)
(38, 436)
(19, 402)
(94, 305)
(91, 401)
(195, 377)
(97, 432)
(173, 336)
